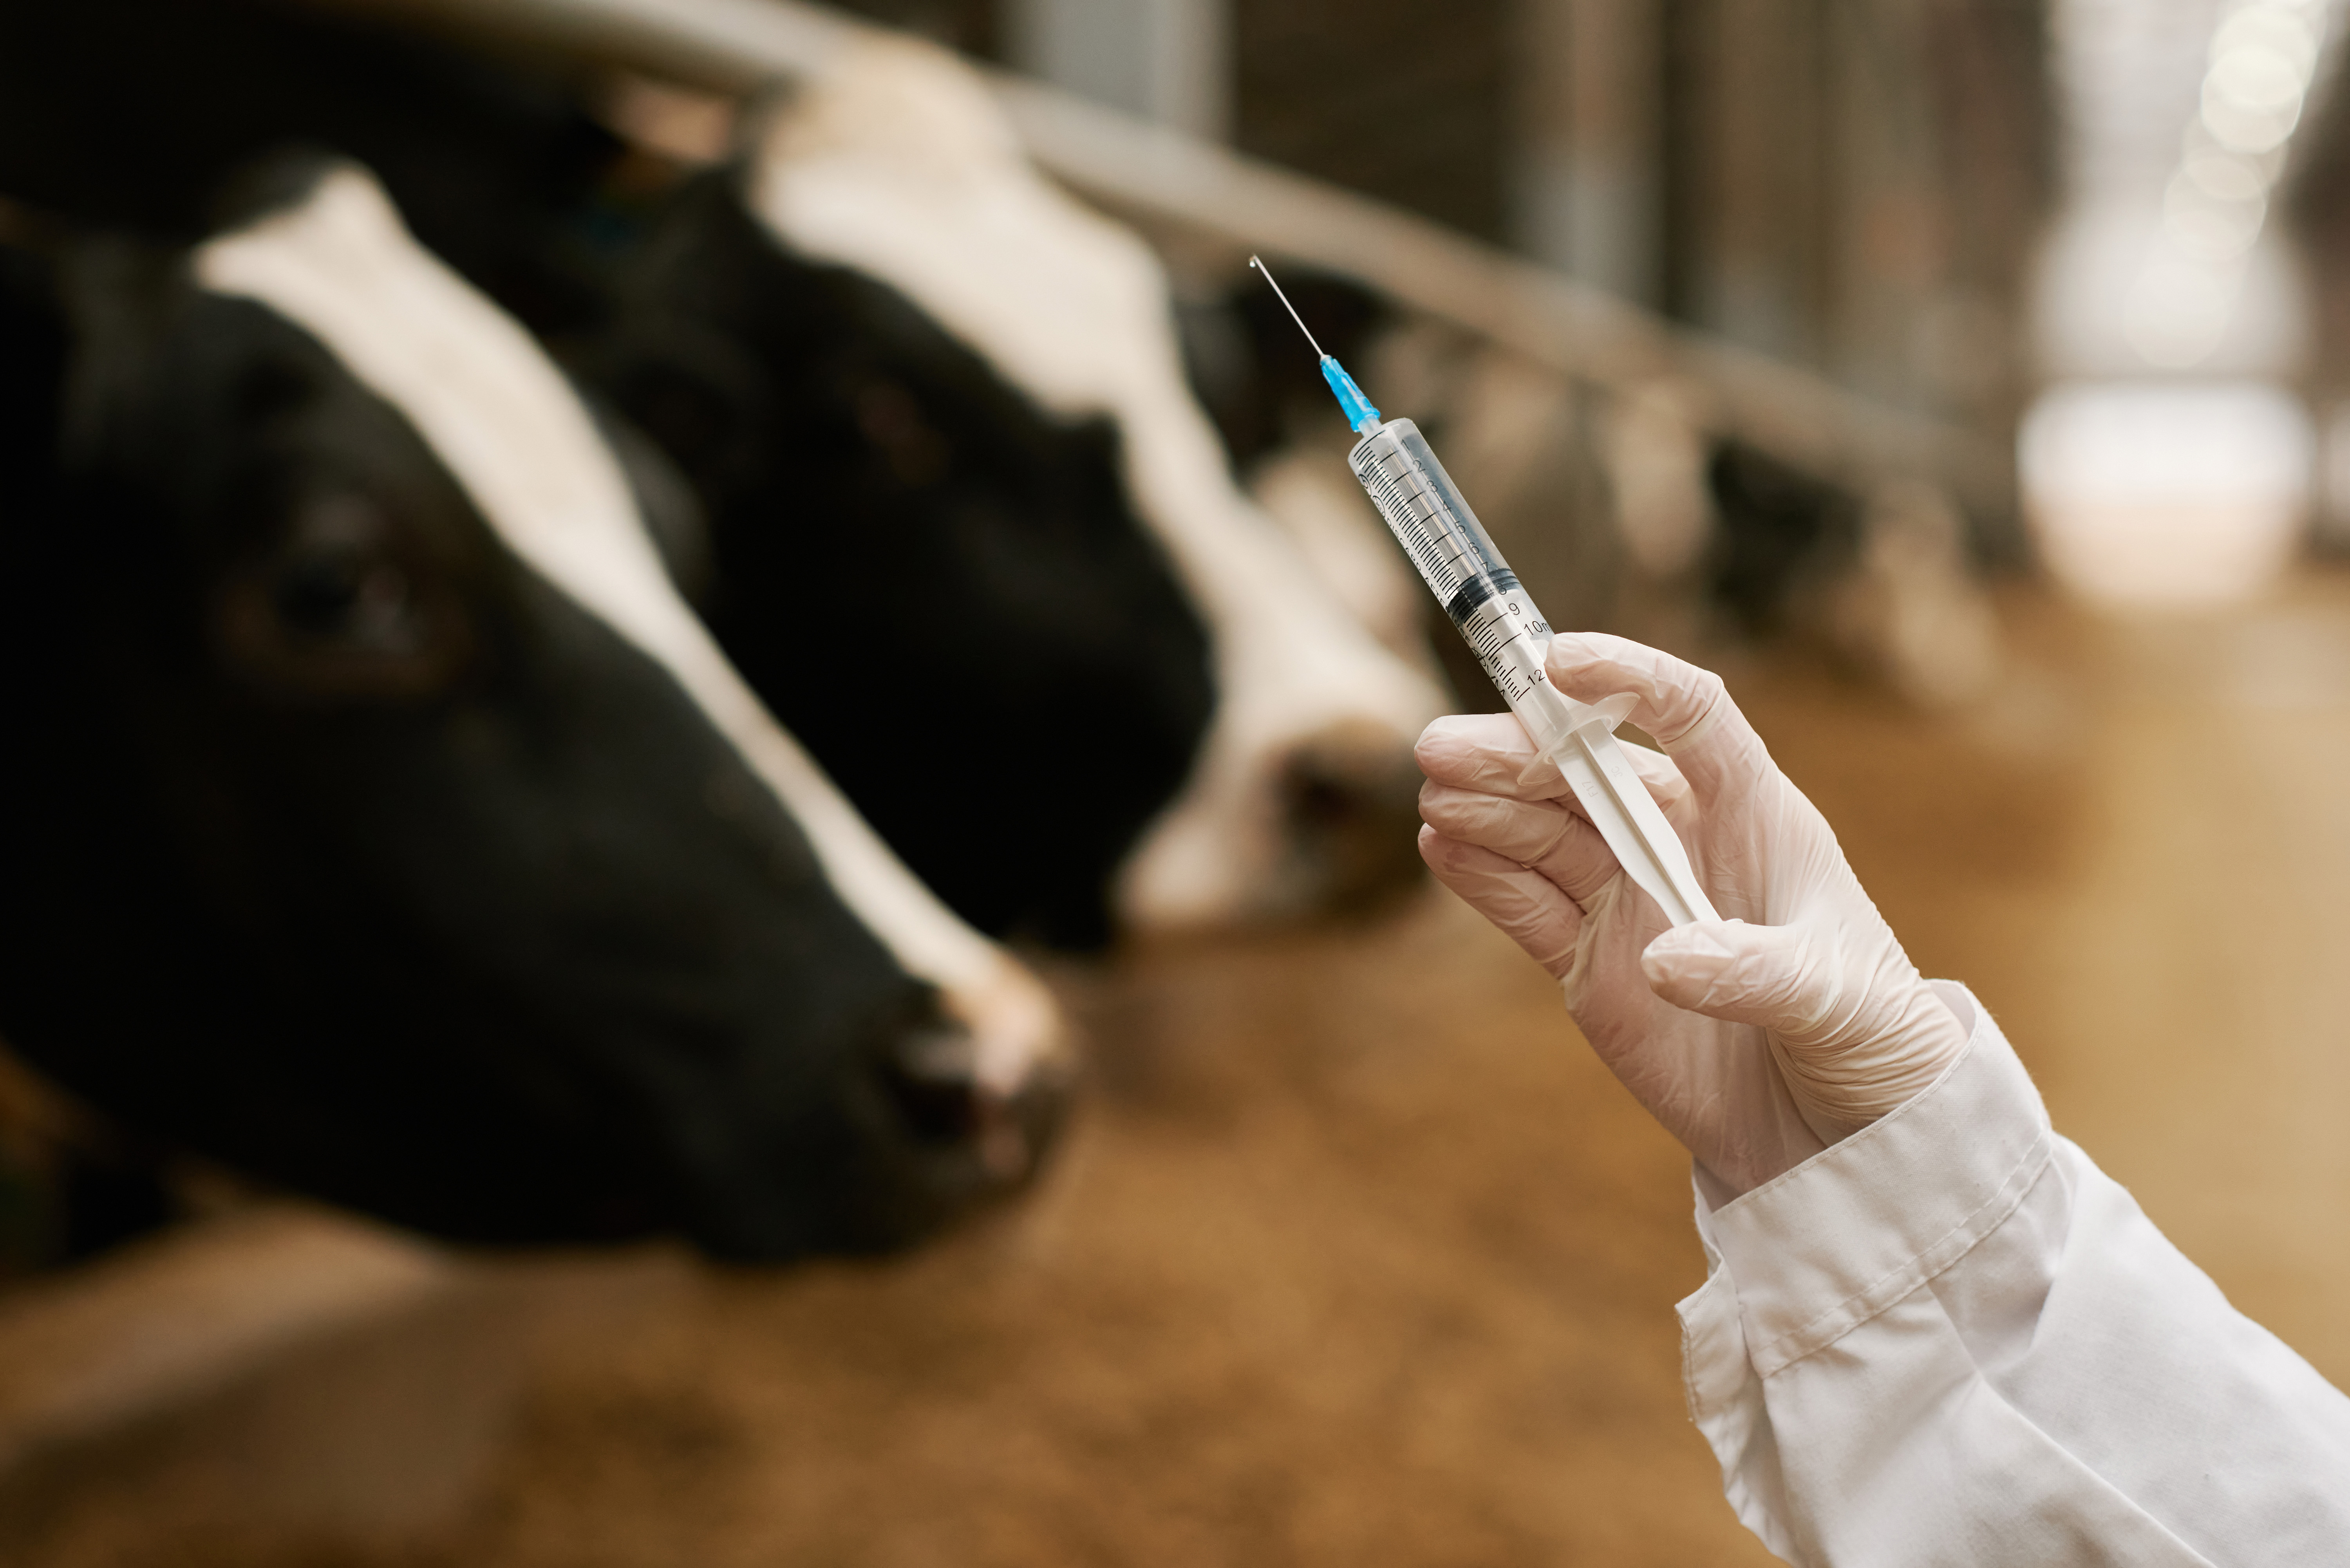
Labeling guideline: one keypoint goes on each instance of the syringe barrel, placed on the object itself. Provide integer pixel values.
(1457, 559)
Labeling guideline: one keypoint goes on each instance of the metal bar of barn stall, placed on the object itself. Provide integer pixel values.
(1165, 176)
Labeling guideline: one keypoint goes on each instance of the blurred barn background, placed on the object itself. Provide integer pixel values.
(1968, 380)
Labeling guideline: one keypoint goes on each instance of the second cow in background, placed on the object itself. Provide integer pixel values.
(901, 364)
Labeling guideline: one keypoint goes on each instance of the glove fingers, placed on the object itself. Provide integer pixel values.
(1761, 975)
(1535, 911)
(1672, 698)
(1545, 836)
(1488, 753)
(1686, 709)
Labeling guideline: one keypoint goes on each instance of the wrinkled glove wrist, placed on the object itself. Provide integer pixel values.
(1888, 1040)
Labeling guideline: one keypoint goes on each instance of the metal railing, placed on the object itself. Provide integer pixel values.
(1180, 181)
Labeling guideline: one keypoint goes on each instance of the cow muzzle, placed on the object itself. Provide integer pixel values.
(1320, 821)
(1350, 799)
(992, 1084)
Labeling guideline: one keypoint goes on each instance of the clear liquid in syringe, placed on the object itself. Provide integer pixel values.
(1454, 555)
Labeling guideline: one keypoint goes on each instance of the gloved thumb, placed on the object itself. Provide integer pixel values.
(1761, 975)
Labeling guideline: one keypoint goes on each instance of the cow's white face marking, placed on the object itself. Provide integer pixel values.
(496, 409)
(901, 165)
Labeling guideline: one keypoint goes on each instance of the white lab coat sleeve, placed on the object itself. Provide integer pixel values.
(1952, 1339)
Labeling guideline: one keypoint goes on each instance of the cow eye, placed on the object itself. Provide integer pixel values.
(337, 608)
(332, 594)
(893, 420)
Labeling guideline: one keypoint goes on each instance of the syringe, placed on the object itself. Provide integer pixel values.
(1457, 560)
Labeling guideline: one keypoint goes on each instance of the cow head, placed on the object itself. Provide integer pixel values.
(890, 515)
(379, 818)
(1206, 736)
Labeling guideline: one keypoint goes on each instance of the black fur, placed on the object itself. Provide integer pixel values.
(134, 114)
(942, 589)
(1783, 533)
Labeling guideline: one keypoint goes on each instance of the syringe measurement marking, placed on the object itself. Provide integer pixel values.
(1418, 540)
(1491, 626)
(1441, 498)
(1438, 551)
(1423, 488)
(1424, 525)
(1396, 502)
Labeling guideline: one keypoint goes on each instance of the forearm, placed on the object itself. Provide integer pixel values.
(1945, 1337)
(1950, 1338)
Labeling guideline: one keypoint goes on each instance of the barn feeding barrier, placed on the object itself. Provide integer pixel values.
(1628, 403)
(741, 46)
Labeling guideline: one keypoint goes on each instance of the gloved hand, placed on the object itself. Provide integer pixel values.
(1758, 1039)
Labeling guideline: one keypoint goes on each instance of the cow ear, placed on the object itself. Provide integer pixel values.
(269, 184)
(116, 294)
(35, 341)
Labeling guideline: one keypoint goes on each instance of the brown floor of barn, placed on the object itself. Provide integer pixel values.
(1357, 1257)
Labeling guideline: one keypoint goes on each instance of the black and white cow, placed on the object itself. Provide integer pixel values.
(981, 573)
(885, 342)
(377, 818)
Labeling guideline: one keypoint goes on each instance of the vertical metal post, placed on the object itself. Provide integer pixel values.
(1586, 187)
(1167, 61)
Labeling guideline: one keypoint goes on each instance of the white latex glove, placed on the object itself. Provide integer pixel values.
(1758, 1039)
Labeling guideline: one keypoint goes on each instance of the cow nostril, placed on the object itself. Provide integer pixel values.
(929, 1080)
(1353, 807)
(941, 1101)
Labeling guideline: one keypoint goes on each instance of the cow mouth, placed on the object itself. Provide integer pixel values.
(945, 1105)
(1351, 808)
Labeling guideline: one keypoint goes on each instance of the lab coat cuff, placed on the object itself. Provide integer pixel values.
(1816, 1253)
